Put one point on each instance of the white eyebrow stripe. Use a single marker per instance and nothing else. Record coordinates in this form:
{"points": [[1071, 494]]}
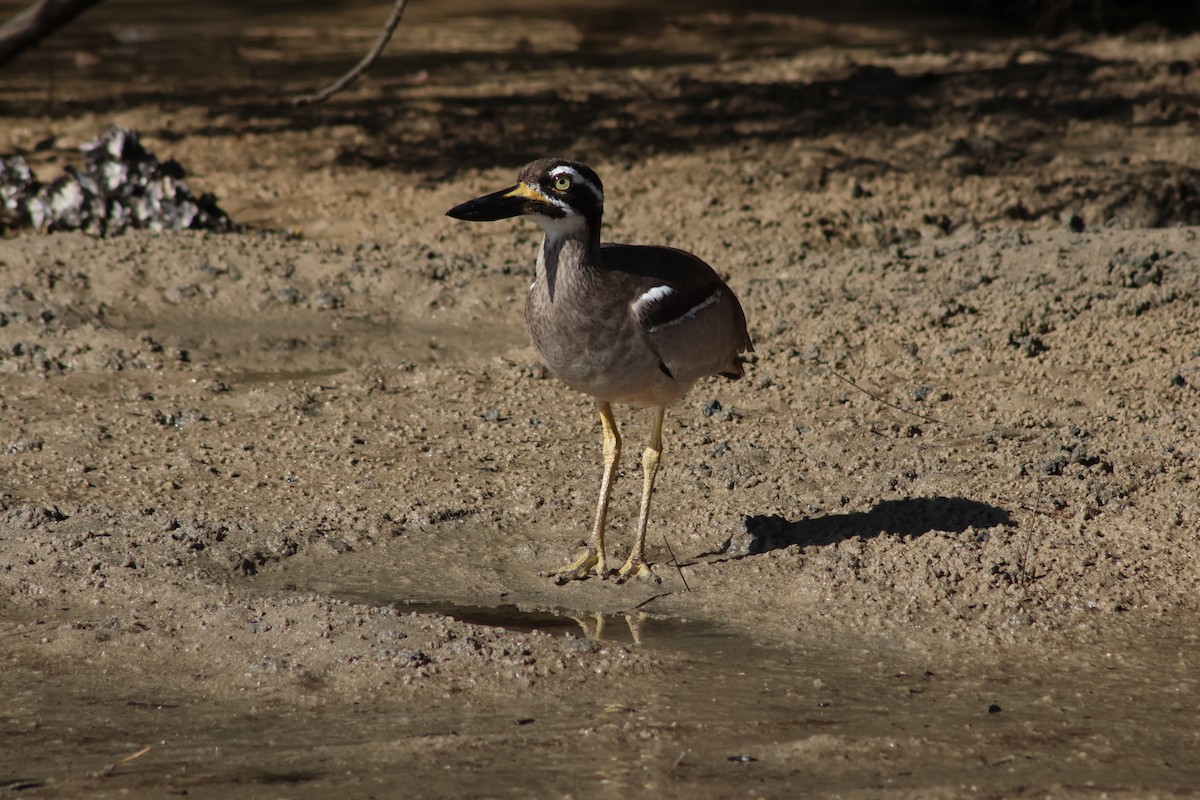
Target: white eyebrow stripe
{"points": [[563, 169], [691, 312]]}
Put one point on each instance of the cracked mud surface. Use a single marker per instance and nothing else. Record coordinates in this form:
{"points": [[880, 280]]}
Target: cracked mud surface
{"points": [[277, 504]]}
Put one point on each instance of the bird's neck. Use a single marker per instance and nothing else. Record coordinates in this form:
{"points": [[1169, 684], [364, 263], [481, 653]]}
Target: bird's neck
{"points": [[568, 253]]}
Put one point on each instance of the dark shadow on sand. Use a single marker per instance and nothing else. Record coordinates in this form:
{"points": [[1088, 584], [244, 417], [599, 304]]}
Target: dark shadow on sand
{"points": [[435, 129], [446, 128], [914, 516]]}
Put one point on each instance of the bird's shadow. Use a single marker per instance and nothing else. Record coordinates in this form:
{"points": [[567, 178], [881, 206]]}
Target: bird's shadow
{"points": [[914, 516]]}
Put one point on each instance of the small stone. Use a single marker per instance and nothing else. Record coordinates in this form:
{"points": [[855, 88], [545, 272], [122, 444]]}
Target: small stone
{"points": [[1054, 466], [289, 294], [181, 293], [326, 301], [338, 545]]}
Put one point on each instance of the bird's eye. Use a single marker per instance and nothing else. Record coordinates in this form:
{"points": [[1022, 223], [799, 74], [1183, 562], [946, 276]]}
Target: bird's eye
{"points": [[562, 183]]}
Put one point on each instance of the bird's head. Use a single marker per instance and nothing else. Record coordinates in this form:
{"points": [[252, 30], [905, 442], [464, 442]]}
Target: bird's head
{"points": [[555, 192]]}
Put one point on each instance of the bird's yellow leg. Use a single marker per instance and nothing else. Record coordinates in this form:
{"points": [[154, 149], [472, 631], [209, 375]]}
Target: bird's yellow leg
{"points": [[593, 559], [635, 565]]}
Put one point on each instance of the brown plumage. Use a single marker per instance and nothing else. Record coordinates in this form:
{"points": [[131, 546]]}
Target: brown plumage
{"points": [[626, 324]]}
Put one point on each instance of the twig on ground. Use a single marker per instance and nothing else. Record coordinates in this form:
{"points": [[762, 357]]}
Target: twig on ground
{"points": [[879, 399], [675, 561], [111, 768], [650, 600]]}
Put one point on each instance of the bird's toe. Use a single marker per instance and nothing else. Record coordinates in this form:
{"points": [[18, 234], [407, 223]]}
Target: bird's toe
{"points": [[590, 563], [636, 569]]}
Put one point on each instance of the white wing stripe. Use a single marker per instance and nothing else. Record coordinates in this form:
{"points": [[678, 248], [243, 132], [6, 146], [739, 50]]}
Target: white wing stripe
{"points": [[692, 312], [649, 298]]}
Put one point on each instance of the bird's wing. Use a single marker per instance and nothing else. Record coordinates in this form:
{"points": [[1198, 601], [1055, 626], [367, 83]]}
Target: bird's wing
{"points": [[691, 319]]}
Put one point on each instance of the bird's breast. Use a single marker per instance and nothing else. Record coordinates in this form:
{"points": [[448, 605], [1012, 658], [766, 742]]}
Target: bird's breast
{"points": [[594, 345]]}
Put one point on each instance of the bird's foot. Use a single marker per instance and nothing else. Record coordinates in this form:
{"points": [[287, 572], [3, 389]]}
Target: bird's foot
{"points": [[636, 569], [590, 563]]}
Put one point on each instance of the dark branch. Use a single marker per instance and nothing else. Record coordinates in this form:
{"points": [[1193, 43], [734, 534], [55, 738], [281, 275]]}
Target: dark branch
{"points": [[36, 23], [350, 77]]}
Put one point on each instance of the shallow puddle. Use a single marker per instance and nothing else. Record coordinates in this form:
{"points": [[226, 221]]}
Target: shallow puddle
{"points": [[734, 718], [746, 715], [631, 628]]}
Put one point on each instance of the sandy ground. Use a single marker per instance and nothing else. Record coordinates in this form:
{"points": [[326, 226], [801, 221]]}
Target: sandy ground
{"points": [[277, 505]]}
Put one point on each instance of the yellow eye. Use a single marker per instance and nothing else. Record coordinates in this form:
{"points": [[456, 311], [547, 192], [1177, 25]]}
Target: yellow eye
{"points": [[562, 183]]}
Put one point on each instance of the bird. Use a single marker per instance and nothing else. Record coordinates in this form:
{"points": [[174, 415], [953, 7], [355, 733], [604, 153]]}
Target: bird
{"points": [[632, 325]]}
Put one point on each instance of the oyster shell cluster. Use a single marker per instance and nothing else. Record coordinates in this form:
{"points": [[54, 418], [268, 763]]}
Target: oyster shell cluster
{"points": [[121, 185]]}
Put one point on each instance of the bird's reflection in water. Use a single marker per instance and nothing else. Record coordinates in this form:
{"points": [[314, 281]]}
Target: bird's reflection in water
{"points": [[596, 627], [634, 627]]}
